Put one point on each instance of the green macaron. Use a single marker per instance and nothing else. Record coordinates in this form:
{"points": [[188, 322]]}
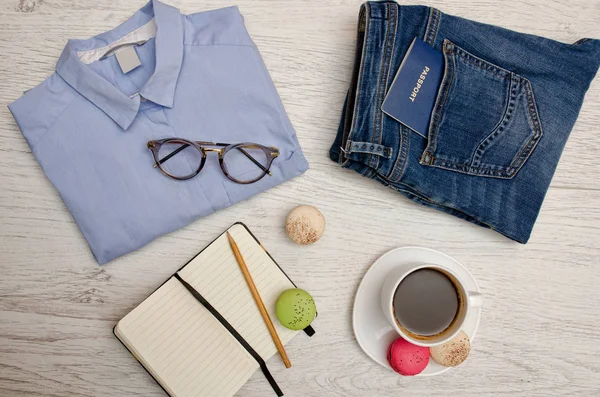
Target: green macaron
{"points": [[295, 309]]}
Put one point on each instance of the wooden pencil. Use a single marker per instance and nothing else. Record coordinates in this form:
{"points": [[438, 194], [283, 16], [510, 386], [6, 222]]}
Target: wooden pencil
{"points": [[259, 301]]}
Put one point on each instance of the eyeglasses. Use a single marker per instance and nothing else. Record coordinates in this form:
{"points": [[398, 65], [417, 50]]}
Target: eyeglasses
{"points": [[241, 162]]}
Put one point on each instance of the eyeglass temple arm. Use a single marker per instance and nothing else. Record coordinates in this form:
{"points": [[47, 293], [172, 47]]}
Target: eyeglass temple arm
{"points": [[173, 153], [179, 149], [254, 161]]}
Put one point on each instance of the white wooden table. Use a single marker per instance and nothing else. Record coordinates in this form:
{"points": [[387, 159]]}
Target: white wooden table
{"points": [[540, 330]]}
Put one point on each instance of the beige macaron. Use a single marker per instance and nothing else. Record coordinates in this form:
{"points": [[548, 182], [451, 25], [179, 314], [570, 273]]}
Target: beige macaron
{"points": [[453, 352], [305, 224]]}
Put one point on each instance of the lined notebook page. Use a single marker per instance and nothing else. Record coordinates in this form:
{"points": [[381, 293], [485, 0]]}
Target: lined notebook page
{"points": [[216, 274], [183, 346]]}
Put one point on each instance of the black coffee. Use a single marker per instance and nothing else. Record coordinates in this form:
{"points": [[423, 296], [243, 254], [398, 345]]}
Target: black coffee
{"points": [[426, 302]]}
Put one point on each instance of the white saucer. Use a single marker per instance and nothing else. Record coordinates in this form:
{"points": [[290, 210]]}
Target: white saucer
{"points": [[372, 330]]}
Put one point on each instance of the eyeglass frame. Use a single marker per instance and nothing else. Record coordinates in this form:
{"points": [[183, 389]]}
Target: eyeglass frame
{"points": [[270, 151]]}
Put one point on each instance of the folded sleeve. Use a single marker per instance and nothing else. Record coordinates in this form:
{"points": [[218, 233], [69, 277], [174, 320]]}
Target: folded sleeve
{"points": [[38, 108]]}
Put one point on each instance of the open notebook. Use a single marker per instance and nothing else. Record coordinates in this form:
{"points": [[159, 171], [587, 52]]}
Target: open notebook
{"points": [[187, 348]]}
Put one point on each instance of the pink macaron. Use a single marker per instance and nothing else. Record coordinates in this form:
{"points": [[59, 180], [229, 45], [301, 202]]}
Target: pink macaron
{"points": [[407, 359]]}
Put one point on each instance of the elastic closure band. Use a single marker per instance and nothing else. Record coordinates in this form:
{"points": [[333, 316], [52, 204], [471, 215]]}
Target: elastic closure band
{"points": [[236, 335]]}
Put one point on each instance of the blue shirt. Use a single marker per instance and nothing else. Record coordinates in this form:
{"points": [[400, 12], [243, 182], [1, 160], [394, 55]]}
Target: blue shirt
{"points": [[201, 78]]}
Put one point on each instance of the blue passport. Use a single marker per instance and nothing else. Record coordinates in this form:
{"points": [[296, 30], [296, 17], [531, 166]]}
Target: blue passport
{"points": [[412, 95]]}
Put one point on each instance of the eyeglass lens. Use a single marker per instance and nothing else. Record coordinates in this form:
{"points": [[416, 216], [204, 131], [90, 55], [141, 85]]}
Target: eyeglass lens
{"points": [[184, 163], [240, 166]]}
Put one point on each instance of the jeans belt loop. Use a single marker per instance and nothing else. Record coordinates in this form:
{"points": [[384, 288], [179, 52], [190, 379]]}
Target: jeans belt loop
{"points": [[368, 148]]}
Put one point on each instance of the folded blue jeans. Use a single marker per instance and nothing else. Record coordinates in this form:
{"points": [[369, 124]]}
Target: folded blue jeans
{"points": [[504, 110]]}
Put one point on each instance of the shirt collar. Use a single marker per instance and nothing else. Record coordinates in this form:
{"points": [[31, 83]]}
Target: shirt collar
{"points": [[160, 88]]}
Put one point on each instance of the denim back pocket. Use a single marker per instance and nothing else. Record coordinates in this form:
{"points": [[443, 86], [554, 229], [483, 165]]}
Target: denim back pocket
{"points": [[485, 121]]}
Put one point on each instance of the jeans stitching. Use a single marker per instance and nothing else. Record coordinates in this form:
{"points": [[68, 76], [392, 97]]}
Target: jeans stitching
{"points": [[397, 171], [405, 148], [391, 53], [475, 171], [438, 17], [360, 74], [371, 160], [428, 27], [372, 138], [535, 138], [478, 62], [432, 33], [510, 106], [385, 71], [439, 108]]}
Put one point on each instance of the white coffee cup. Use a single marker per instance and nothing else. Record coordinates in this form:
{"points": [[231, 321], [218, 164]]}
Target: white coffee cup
{"points": [[467, 301]]}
